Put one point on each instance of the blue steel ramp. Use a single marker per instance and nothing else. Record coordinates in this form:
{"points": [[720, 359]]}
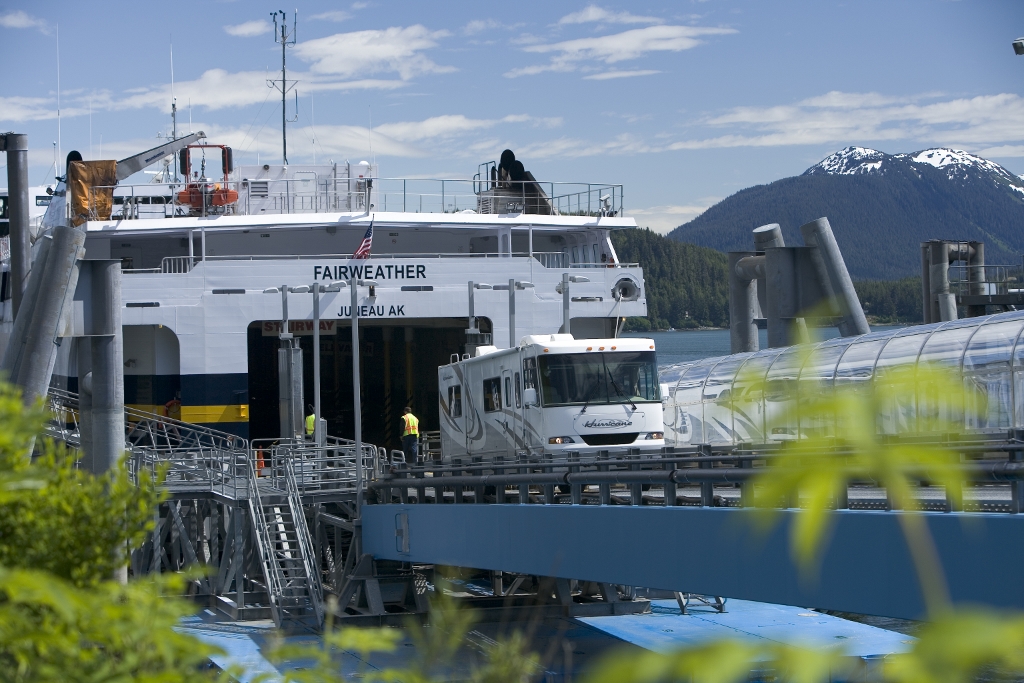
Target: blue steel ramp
{"points": [[865, 568], [666, 628]]}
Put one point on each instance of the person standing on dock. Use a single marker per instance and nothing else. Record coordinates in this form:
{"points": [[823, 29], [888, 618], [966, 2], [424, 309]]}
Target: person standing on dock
{"points": [[410, 434], [310, 422]]}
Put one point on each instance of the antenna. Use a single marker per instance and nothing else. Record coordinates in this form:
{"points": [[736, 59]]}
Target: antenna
{"points": [[174, 111], [286, 39], [369, 131], [56, 162]]}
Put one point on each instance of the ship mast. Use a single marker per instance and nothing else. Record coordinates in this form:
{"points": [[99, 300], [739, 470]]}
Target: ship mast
{"points": [[286, 39]]}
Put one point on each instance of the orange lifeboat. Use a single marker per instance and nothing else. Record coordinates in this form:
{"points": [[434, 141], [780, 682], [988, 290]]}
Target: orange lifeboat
{"points": [[201, 194], [223, 196]]}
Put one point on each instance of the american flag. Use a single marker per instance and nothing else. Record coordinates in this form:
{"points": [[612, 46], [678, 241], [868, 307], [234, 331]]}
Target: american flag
{"points": [[364, 248]]}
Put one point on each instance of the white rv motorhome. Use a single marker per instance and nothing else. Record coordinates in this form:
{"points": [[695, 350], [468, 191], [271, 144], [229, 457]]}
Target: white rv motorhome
{"points": [[551, 395]]}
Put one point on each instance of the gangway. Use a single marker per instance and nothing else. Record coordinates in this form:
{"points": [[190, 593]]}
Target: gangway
{"points": [[581, 530], [684, 521]]}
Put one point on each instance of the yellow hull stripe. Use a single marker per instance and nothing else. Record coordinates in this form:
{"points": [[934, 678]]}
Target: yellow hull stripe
{"points": [[193, 414], [207, 414]]}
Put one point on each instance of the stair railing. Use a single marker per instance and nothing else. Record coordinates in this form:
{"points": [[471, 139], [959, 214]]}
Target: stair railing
{"points": [[265, 546], [309, 559]]}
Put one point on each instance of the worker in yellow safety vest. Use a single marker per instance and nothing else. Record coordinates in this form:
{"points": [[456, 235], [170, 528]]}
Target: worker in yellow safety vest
{"points": [[310, 423], [410, 434]]}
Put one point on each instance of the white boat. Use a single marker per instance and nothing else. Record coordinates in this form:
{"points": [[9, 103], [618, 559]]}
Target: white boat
{"points": [[198, 257]]}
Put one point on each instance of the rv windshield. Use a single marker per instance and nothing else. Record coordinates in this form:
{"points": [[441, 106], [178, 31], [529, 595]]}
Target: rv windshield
{"points": [[594, 378]]}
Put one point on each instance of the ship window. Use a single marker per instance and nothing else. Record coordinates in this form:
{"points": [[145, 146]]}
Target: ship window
{"points": [[508, 391], [575, 254], [492, 394], [519, 393], [596, 259], [455, 401]]}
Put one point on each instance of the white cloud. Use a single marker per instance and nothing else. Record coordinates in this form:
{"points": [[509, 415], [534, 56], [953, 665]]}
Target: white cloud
{"points": [[479, 25], [27, 108], [665, 219], [451, 125], [593, 13], [846, 118], [341, 62], [20, 19], [249, 29], [617, 47], [361, 53], [334, 15], [606, 75], [1002, 151], [565, 148]]}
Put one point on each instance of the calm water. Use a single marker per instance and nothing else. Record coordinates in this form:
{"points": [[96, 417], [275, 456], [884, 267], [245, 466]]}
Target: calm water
{"points": [[682, 346]]}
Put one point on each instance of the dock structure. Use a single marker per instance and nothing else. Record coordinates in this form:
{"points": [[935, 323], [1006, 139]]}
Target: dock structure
{"points": [[275, 524]]}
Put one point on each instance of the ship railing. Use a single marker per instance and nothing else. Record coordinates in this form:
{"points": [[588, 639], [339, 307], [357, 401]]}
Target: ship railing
{"points": [[549, 259], [209, 197]]}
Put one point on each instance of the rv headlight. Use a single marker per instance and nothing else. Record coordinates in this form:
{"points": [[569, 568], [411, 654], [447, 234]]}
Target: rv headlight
{"points": [[561, 439], [654, 436]]}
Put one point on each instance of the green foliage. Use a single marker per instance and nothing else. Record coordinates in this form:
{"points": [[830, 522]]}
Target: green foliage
{"points": [[879, 221], [70, 524], [51, 630], [60, 531], [891, 301], [686, 286], [436, 647], [724, 661], [73, 525]]}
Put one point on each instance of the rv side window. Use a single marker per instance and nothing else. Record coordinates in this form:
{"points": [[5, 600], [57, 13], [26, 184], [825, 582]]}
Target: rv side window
{"points": [[519, 393], [508, 391], [455, 401], [492, 394], [530, 373]]}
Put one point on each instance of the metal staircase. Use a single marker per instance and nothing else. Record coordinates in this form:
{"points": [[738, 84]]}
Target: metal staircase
{"points": [[286, 553], [211, 476]]}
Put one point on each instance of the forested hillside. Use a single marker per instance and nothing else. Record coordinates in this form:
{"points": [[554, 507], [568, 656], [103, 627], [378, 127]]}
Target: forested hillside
{"points": [[687, 285]]}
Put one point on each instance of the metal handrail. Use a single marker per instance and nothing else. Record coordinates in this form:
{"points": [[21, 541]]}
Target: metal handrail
{"points": [[264, 545], [547, 259], [254, 196], [315, 585]]}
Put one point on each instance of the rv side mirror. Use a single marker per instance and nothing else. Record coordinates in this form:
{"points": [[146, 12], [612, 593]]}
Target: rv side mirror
{"points": [[530, 397], [664, 393]]}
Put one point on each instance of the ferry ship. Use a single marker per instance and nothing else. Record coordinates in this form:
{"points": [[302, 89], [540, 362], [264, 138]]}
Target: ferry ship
{"points": [[198, 257]]}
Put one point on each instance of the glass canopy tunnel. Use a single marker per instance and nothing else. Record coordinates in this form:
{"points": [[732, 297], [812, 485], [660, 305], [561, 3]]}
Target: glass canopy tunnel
{"points": [[758, 397]]}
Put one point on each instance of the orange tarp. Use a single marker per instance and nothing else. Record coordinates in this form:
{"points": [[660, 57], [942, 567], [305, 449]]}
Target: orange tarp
{"points": [[90, 187]]}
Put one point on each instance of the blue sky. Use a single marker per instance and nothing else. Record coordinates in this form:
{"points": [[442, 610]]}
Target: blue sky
{"points": [[683, 102]]}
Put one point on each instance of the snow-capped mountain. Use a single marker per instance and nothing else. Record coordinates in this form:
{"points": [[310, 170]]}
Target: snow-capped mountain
{"points": [[957, 164], [850, 161], [881, 207]]}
